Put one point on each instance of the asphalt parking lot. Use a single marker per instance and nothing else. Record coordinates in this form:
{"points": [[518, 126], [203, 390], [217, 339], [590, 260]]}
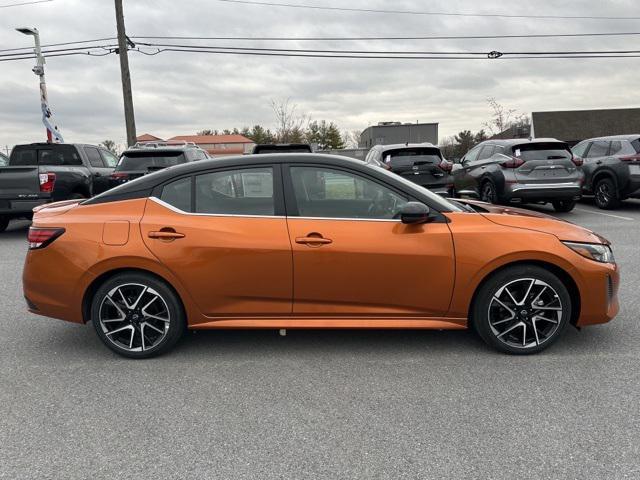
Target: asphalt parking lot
{"points": [[323, 404]]}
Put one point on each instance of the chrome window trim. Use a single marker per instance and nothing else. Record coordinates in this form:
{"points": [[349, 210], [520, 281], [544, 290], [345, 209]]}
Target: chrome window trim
{"points": [[177, 210], [535, 186]]}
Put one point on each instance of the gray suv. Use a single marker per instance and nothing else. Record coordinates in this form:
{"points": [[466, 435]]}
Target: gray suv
{"points": [[540, 170], [611, 167], [422, 163]]}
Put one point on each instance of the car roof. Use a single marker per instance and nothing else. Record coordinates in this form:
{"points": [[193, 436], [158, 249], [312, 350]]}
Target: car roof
{"points": [[629, 137]]}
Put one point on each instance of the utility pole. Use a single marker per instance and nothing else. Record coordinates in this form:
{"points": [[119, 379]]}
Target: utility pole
{"points": [[52, 130], [123, 47]]}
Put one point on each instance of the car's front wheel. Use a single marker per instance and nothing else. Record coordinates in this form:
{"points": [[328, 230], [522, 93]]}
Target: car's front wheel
{"points": [[137, 315], [606, 194], [521, 309], [488, 192]]}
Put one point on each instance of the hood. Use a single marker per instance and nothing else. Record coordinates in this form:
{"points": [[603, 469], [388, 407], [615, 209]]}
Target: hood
{"points": [[536, 221]]}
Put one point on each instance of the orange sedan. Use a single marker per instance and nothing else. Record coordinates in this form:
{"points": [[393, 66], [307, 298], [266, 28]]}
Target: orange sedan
{"points": [[309, 241]]}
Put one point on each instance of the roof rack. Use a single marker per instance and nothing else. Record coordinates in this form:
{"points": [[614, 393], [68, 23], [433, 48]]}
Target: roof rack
{"points": [[165, 144]]}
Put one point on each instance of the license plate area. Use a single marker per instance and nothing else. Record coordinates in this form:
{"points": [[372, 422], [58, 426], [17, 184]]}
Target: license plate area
{"points": [[634, 169]]}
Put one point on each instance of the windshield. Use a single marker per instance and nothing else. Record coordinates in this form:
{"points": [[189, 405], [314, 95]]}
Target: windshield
{"points": [[444, 205], [543, 151], [149, 160]]}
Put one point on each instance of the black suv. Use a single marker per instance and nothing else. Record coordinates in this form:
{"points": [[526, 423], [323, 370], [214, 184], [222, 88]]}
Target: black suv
{"points": [[80, 170], [612, 168], [282, 148], [540, 170], [144, 158], [422, 163]]}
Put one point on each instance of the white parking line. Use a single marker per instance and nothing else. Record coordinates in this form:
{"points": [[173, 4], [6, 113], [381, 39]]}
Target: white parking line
{"points": [[605, 214]]}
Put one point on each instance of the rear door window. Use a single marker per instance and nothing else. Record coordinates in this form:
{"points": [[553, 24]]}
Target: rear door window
{"points": [[472, 155], [178, 194], [598, 149], [579, 149], [247, 191], [94, 157]]}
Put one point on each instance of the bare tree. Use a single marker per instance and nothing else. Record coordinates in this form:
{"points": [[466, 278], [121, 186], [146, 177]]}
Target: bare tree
{"points": [[289, 122], [351, 138], [503, 118], [111, 146]]}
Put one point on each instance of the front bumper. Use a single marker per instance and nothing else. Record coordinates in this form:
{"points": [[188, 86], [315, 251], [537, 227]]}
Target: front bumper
{"points": [[535, 192], [599, 294]]}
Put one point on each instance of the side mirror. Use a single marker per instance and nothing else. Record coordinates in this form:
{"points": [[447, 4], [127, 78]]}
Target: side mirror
{"points": [[414, 213]]}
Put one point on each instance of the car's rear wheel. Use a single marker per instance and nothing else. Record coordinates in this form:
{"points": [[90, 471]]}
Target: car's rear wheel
{"points": [[606, 194], [137, 315], [488, 192], [563, 205], [521, 310]]}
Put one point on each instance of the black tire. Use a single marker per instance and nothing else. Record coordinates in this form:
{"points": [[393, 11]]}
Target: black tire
{"points": [[168, 317], [539, 331], [488, 192], [4, 223], [563, 206], [606, 194]]}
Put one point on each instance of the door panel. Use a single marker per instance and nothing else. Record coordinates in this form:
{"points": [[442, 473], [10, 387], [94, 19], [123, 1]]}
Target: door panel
{"points": [[231, 265], [371, 267]]}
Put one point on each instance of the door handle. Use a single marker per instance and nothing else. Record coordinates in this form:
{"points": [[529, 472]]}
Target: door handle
{"points": [[313, 240], [165, 234]]}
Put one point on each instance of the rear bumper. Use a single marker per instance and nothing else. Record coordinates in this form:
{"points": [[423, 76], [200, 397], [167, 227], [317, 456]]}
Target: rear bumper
{"points": [[542, 191], [16, 208], [441, 186]]}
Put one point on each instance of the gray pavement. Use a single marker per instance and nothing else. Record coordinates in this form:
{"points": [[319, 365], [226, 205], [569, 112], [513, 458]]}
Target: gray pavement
{"points": [[323, 404]]}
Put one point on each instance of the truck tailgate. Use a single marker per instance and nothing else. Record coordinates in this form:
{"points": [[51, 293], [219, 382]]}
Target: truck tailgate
{"points": [[18, 183]]}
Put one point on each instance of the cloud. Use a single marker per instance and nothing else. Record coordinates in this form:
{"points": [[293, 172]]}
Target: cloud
{"points": [[179, 93]]}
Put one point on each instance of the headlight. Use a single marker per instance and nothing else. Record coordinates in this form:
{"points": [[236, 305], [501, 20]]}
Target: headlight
{"points": [[594, 251]]}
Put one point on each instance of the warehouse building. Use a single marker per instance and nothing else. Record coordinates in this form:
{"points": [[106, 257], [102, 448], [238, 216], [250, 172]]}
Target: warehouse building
{"points": [[389, 133]]}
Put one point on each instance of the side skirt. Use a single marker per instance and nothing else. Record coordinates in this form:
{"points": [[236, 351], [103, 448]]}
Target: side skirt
{"points": [[334, 323]]}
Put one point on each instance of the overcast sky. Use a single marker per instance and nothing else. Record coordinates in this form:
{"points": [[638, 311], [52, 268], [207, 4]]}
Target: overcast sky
{"points": [[180, 93]]}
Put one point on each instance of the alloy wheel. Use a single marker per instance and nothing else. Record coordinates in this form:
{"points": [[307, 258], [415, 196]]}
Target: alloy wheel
{"points": [[603, 193], [489, 193], [134, 317], [525, 313]]}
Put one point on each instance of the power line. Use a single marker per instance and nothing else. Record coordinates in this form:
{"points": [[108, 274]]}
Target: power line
{"points": [[79, 42], [424, 37], [24, 3], [434, 13]]}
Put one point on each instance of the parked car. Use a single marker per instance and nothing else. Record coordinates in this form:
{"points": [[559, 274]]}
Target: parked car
{"points": [[308, 241], [282, 148], [422, 163], [611, 167], [21, 190], [80, 170], [144, 158], [4, 160], [521, 171]]}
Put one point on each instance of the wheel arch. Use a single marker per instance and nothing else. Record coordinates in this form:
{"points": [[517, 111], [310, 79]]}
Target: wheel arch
{"points": [[563, 275], [105, 276], [605, 173]]}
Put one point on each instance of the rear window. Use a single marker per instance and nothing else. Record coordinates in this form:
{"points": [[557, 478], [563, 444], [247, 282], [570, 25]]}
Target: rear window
{"points": [[282, 149], [636, 145], [542, 151], [149, 160], [414, 154]]}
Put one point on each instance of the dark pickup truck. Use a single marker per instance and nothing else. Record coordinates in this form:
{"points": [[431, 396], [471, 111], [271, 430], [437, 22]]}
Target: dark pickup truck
{"points": [[38, 173], [82, 171]]}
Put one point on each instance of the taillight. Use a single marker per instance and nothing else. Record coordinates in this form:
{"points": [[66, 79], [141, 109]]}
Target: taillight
{"points": [[577, 161], [119, 176], [41, 237], [630, 158], [47, 181], [513, 162], [445, 166]]}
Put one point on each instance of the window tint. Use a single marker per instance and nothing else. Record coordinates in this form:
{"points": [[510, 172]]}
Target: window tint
{"points": [[94, 157], [178, 194], [324, 192], [598, 149], [20, 157], [110, 160], [62, 155], [486, 152], [149, 161], [622, 147], [236, 192], [636, 145], [542, 151], [579, 149]]}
